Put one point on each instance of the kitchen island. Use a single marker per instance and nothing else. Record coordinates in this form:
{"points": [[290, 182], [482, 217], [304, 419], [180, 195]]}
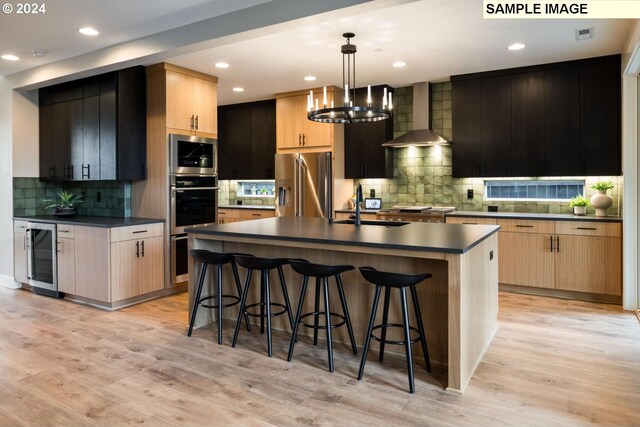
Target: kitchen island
{"points": [[459, 303]]}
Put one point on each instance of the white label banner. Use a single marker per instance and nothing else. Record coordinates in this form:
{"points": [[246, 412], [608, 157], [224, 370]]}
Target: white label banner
{"points": [[588, 9]]}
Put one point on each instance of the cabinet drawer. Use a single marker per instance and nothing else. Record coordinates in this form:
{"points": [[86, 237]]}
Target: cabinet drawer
{"points": [[256, 214], [228, 213], [119, 234], [589, 228], [20, 226], [66, 231], [472, 221], [526, 226]]}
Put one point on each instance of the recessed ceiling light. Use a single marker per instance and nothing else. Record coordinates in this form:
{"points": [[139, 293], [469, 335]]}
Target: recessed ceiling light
{"points": [[310, 78], [399, 64], [238, 89], [516, 46], [9, 57], [88, 31], [222, 65], [38, 53], [378, 49]]}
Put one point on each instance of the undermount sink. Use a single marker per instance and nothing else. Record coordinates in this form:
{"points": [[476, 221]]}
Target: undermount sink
{"points": [[373, 222]]}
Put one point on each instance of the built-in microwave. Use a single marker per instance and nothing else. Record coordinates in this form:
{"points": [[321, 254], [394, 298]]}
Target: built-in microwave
{"points": [[192, 155]]}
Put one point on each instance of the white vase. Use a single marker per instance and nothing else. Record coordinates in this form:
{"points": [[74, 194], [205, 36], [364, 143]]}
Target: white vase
{"points": [[601, 201], [579, 210]]}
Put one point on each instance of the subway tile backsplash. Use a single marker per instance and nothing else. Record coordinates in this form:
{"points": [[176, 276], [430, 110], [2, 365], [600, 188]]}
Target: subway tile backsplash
{"points": [[29, 195]]}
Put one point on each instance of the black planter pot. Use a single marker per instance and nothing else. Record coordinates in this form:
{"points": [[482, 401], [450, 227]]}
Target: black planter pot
{"points": [[65, 212]]}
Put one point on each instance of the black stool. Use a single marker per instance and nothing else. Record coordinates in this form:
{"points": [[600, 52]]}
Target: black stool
{"points": [[401, 281], [219, 259], [321, 273], [265, 265]]}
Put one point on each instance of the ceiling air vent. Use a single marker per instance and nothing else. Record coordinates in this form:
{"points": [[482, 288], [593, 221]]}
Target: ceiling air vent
{"points": [[584, 34]]}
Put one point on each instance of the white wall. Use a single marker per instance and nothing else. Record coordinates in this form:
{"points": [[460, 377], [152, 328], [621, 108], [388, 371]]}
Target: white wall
{"points": [[25, 134], [6, 186]]}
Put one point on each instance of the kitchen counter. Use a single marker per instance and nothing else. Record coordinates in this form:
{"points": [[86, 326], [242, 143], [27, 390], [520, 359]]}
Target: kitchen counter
{"points": [[265, 207], [538, 216], [90, 221], [459, 303], [352, 211]]}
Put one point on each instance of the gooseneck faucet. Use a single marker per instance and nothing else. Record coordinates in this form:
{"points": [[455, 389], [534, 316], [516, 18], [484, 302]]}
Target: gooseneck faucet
{"points": [[358, 201]]}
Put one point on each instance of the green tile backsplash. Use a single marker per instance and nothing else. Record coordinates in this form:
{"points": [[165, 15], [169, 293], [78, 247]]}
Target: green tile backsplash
{"points": [[422, 175], [29, 195]]}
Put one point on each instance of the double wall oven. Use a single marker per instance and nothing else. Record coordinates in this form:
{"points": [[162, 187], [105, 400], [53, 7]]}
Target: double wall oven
{"points": [[193, 194]]}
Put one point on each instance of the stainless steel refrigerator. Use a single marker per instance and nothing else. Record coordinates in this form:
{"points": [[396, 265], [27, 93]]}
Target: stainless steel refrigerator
{"points": [[304, 184]]}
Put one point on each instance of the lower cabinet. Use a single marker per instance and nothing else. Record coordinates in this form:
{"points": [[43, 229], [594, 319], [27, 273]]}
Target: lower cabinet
{"points": [[66, 247], [20, 251], [229, 215], [347, 215], [136, 267], [526, 259]]}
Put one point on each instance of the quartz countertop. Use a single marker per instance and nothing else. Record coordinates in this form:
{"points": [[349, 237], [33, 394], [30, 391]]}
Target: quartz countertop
{"points": [[90, 221], [265, 207], [537, 216], [433, 237]]}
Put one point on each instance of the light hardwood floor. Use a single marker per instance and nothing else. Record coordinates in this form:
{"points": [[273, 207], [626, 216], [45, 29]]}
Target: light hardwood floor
{"points": [[552, 363]]}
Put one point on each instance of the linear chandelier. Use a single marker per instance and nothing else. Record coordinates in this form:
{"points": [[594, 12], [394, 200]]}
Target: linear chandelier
{"points": [[348, 112]]}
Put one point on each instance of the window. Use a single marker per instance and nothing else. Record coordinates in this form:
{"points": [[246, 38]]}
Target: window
{"points": [[533, 190], [255, 189]]}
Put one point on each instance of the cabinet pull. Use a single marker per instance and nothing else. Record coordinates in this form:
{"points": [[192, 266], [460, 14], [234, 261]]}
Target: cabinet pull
{"points": [[470, 223], [551, 241], [304, 139], [58, 246], [137, 249], [558, 244], [88, 168], [256, 214], [587, 228], [24, 242], [63, 231], [71, 172], [196, 122], [142, 247], [139, 231], [524, 226], [299, 139], [192, 121]]}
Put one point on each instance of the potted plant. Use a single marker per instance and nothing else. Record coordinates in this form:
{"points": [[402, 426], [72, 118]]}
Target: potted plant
{"points": [[579, 204], [64, 205], [601, 200]]}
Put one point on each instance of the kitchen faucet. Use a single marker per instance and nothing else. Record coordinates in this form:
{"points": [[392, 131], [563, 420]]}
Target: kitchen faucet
{"points": [[358, 201]]}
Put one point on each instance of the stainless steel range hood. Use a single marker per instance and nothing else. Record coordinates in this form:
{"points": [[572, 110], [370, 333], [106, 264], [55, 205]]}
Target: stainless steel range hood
{"points": [[421, 135]]}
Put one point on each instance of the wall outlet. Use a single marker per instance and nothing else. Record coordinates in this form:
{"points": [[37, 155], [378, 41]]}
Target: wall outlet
{"points": [[372, 193], [493, 209], [470, 193]]}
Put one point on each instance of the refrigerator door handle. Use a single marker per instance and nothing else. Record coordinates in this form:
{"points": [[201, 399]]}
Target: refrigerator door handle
{"points": [[301, 180], [296, 187]]}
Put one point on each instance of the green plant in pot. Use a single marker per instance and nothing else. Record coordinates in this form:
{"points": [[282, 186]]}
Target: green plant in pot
{"points": [[579, 204], [64, 205], [601, 200]]}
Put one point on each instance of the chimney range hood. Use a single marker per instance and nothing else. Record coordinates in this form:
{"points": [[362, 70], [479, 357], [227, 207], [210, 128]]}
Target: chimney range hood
{"points": [[421, 136]]}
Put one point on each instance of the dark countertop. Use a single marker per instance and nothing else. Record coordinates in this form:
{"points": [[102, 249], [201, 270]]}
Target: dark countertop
{"points": [[538, 216], [90, 221], [451, 238], [265, 207]]}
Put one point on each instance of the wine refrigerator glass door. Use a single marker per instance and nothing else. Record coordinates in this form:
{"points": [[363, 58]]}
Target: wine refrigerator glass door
{"points": [[42, 261]]}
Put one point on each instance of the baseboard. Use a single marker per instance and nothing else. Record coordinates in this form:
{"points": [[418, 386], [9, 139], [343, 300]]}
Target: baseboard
{"points": [[559, 293], [9, 282]]}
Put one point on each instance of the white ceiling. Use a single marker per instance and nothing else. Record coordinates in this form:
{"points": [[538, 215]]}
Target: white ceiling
{"points": [[436, 38]]}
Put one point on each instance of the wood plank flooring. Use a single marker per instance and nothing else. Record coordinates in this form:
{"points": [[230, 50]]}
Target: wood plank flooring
{"points": [[553, 363]]}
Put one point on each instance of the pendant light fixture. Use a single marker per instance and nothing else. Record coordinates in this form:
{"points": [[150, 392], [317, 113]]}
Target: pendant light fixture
{"points": [[348, 112]]}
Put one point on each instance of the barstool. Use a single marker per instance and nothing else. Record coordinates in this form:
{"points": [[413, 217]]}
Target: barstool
{"points": [[265, 265], [401, 281], [321, 273], [219, 259]]}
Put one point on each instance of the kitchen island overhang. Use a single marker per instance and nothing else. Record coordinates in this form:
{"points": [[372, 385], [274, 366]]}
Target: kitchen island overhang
{"points": [[460, 302]]}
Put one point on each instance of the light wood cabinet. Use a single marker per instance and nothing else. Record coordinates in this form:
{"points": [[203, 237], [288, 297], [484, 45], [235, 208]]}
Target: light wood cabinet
{"points": [[470, 221], [230, 215], [20, 253], [526, 259], [92, 259], [191, 102], [66, 248], [347, 215], [294, 131], [136, 267]]}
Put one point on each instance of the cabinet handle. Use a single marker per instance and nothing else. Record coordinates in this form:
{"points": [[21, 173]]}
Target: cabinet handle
{"points": [[469, 223], [137, 249], [142, 246], [58, 246], [88, 168], [299, 139], [196, 122], [24, 242], [587, 228], [192, 121], [558, 244], [304, 139], [551, 241], [71, 172], [63, 231], [139, 231], [524, 226], [256, 214]]}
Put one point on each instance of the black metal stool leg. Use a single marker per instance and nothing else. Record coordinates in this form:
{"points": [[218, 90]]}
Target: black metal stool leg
{"points": [[236, 276], [407, 339], [345, 311], [317, 312], [243, 302], [196, 299], [296, 323], [267, 293], [285, 294], [219, 300], [327, 312], [423, 336], [385, 319], [262, 306], [367, 340]]}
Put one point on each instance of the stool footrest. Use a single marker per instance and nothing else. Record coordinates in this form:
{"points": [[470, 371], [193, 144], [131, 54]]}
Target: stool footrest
{"points": [[235, 300], [260, 304], [395, 342], [321, 315]]}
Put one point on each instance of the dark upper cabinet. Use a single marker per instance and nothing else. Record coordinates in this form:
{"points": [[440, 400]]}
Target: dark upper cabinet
{"points": [[95, 128], [364, 155], [547, 120], [247, 140]]}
